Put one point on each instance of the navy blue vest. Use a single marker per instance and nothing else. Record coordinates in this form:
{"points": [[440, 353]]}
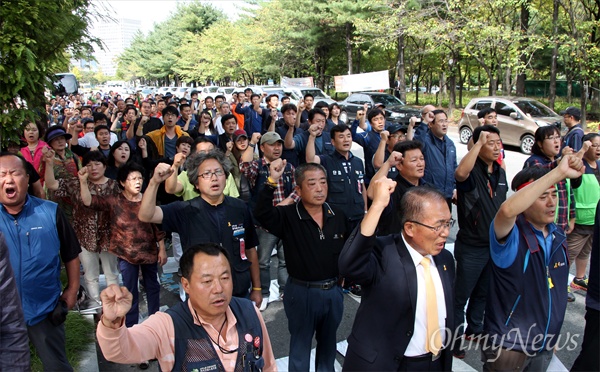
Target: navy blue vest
{"points": [[343, 187], [527, 302], [193, 346]]}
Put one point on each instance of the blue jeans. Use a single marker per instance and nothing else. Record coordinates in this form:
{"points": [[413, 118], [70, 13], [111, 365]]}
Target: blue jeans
{"points": [[266, 242], [130, 273], [311, 310]]}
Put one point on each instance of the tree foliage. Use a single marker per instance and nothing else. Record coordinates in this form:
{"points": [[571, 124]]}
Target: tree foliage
{"points": [[37, 39]]}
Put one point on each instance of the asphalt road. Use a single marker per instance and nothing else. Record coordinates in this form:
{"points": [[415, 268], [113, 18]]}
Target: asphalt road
{"points": [[275, 319]]}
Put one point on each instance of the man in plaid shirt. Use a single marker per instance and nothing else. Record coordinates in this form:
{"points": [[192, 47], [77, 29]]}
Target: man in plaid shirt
{"points": [[257, 174]]}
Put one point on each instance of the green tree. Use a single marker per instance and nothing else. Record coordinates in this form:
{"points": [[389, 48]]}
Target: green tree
{"points": [[32, 49]]}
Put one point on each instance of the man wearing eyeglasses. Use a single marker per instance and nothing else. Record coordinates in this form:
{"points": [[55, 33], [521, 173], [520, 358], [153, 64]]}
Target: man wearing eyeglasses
{"points": [[405, 318], [210, 217], [481, 188], [574, 136], [526, 303]]}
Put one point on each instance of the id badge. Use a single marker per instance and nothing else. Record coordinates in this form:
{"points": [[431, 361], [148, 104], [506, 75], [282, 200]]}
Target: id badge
{"points": [[243, 249]]}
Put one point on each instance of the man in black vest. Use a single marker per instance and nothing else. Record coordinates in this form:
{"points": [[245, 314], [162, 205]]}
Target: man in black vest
{"points": [[481, 188], [211, 331], [210, 217], [345, 173]]}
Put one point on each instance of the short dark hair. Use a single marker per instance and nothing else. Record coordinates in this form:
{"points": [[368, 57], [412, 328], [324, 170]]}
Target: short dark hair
{"points": [[412, 202], [435, 112], [287, 107], [322, 104], [340, 128], [540, 135], [184, 139], [404, 146], [169, 110], [484, 128], [254, 95], [228, 117], [374, 112], [98, 116], [194, 161], [129, 108], [183, 105], [38, 124], [93, 156], [315, 111], [221, 97], [307, 167], [526, 175], [99, 128], [186, 263], [270, 97], [248, 89], [590, 136], [208, 98], [308, 95], [126, 169], [201, 140], [485, 112]]}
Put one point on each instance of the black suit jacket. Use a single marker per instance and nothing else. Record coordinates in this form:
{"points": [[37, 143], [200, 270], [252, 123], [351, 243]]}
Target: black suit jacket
{"points": [[384, 322]]}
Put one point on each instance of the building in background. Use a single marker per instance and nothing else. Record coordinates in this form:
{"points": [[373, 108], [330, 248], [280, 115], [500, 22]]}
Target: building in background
{"points": [[117, 36]]}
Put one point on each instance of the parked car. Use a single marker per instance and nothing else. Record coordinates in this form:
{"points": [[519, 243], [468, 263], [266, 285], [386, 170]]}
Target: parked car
{"points": [[396, 111], [225, 91], [181, 92], [208, 91], [297, 93], [518, 119]]}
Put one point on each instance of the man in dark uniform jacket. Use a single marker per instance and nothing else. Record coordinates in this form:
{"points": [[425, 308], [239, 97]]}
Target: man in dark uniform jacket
{"points": [[405, 319]]}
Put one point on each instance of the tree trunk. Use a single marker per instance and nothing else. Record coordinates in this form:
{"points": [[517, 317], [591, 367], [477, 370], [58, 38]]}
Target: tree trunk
{"points": [[569, 89], [507, 85], [553, 65], [595, 104], [583, 102], [349, 46], [401, 68], [525, 43]]}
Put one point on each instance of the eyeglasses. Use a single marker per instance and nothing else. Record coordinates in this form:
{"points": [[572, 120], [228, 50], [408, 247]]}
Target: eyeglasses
{"points": [[437, 229], [553, 138], [208, 174]]}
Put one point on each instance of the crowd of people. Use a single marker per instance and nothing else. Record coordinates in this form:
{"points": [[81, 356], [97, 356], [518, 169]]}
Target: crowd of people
{"points": [[112, 182]]}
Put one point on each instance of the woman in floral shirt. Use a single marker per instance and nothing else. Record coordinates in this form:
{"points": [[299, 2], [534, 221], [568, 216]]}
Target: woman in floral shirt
{"points": [[138, 245]]}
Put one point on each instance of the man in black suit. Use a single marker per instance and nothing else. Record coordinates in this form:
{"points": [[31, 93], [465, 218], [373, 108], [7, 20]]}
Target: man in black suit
{"points": [[405, 319]]}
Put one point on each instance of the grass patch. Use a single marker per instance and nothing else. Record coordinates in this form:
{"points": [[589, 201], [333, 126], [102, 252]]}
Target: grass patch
{"points": [[79, 335]]}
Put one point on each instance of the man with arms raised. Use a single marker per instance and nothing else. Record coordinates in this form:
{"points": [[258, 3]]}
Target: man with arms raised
{"points": [[210, 331], [526, 301], [481, 186], [407, 282], [210, 217], [313, 234]]}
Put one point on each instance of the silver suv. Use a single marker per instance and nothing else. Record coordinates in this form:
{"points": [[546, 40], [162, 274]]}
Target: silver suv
{"points": [[518, 119]]}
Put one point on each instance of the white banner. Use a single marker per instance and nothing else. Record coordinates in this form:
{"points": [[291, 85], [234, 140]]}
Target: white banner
{"points": [[305, 82], [358, 82]]}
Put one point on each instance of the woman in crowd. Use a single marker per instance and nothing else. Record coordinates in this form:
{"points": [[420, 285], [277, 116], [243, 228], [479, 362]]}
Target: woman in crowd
{"points": [[240, 144], [66, 165], [120, 154], [334, 114], [138, 245], [33, 151], [546, 154]]}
